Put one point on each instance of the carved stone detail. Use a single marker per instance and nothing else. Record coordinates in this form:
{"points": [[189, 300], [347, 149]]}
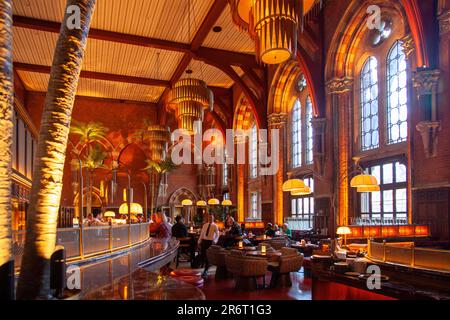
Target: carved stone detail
{"points": [[428, 130], [319, 127], [444, 23], [426, 81], [277, 120], [339, 85], [408, 45]]}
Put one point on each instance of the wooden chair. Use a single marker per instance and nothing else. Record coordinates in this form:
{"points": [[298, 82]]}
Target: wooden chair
{"points": [[185, 247]]}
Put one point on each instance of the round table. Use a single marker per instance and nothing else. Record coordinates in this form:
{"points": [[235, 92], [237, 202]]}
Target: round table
{"points": [[271, 256]]}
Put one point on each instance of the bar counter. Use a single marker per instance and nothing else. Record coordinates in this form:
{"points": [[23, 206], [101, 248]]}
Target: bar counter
{"points": [[404, 283], [135, 275]]}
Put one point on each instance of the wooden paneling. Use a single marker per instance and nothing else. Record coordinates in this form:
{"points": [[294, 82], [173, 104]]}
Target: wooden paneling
{"points": [[37, 47], [97, 88], [159, 19], [230, 38]]}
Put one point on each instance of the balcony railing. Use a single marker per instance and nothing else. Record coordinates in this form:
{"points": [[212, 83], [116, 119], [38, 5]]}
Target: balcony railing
{"points": [[94, 241], [406, 254]]}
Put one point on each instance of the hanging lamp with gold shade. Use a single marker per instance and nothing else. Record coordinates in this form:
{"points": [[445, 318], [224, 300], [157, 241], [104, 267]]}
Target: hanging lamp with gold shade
{"points": [[201, 203], [157, 137], [293, 185], [273, 24], [189, 99], [364, 181]]}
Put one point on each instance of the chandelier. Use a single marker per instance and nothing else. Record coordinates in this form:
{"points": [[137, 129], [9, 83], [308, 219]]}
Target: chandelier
{"points": [[190, 97], [273, 24], [158, 138]]}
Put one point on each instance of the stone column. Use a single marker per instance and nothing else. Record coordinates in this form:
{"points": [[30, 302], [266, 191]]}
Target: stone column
{"points": [[280, 199], [340, 91], [240, 180], [426, 83]]}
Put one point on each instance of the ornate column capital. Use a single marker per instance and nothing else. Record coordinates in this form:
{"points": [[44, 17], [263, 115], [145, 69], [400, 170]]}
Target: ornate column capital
{"points": [[444, 22], [408, 45], [277, 120], [426, 81], [339, 85]]}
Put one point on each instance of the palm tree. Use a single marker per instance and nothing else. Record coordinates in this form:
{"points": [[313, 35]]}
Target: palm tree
{"points": [[6, 128], [34, 281], [156, 171], [89, 133], [92, 161]]}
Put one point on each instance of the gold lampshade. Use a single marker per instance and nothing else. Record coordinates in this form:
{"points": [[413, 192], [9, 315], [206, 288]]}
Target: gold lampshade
{"points": [[157, 137], [273, 24], [213, 202], [135, 208], [201, 203], [364, 181], [293, 185], [227, 203], [186, 203], [368, 189], [343, 231], [276, 24], [110, 214], [302, 192], [189, 98]]}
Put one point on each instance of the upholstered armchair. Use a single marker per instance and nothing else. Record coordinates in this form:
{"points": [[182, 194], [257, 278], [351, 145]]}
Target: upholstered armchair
{"points": [[289, 261], [216, 257], [246, 270]]}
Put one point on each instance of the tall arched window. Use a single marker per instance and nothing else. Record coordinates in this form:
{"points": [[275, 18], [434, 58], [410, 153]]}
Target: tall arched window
{"points": [[254, 152], [309, 131], [297, 134], [397, 95], [370, 136]]}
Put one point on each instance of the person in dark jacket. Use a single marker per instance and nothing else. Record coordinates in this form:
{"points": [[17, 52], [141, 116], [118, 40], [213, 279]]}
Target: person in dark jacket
{"points": [[179, 229]]}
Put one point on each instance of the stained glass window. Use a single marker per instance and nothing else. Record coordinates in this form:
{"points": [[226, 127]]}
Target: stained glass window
{"points": [[370, 138], [397, 95]]}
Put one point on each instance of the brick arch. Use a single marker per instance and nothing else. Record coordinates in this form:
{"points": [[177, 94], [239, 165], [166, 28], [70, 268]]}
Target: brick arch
{"points": [[282, 94], [183, 192], [244, 116], [352, 28]]}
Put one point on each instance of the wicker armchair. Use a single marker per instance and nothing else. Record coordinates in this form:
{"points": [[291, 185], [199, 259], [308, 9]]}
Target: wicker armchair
{"points": [[216, 257], [246, 271], [290, 261], [277, 244]]}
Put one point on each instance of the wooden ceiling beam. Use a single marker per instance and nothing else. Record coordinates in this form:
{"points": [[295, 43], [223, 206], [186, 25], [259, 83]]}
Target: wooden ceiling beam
{"points": [[234, 58], [96, 75], [111, 77]]}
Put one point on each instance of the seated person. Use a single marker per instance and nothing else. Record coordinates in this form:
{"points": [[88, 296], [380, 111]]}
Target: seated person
{"points": [[97, 219], [164, 229], [179, 229], [270, 232], [286, 231], [233, 230]]}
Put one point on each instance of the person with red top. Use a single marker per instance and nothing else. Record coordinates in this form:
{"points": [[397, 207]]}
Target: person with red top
{"points": [[164, 229]]}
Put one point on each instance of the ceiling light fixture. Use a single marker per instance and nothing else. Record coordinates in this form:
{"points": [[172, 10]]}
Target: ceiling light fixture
{"points": [[273, 24]]}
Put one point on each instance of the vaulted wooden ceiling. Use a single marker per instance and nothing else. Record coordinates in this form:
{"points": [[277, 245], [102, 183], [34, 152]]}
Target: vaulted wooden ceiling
{"points": [[126, 39]]}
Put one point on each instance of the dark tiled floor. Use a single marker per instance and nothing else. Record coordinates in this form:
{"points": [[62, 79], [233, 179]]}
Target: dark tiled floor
{"points": [[224, 289]]}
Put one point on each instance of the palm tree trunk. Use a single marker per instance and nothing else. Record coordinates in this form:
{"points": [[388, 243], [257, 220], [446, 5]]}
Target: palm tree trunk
{"points": [[34, 281], [6, 128]]}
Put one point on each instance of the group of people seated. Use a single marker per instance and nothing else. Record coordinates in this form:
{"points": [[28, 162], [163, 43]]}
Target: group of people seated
{"points": [[273, 230]]}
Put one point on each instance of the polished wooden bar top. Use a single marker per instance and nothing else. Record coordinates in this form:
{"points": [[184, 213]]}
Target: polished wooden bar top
{"points": [[145, 285]]}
